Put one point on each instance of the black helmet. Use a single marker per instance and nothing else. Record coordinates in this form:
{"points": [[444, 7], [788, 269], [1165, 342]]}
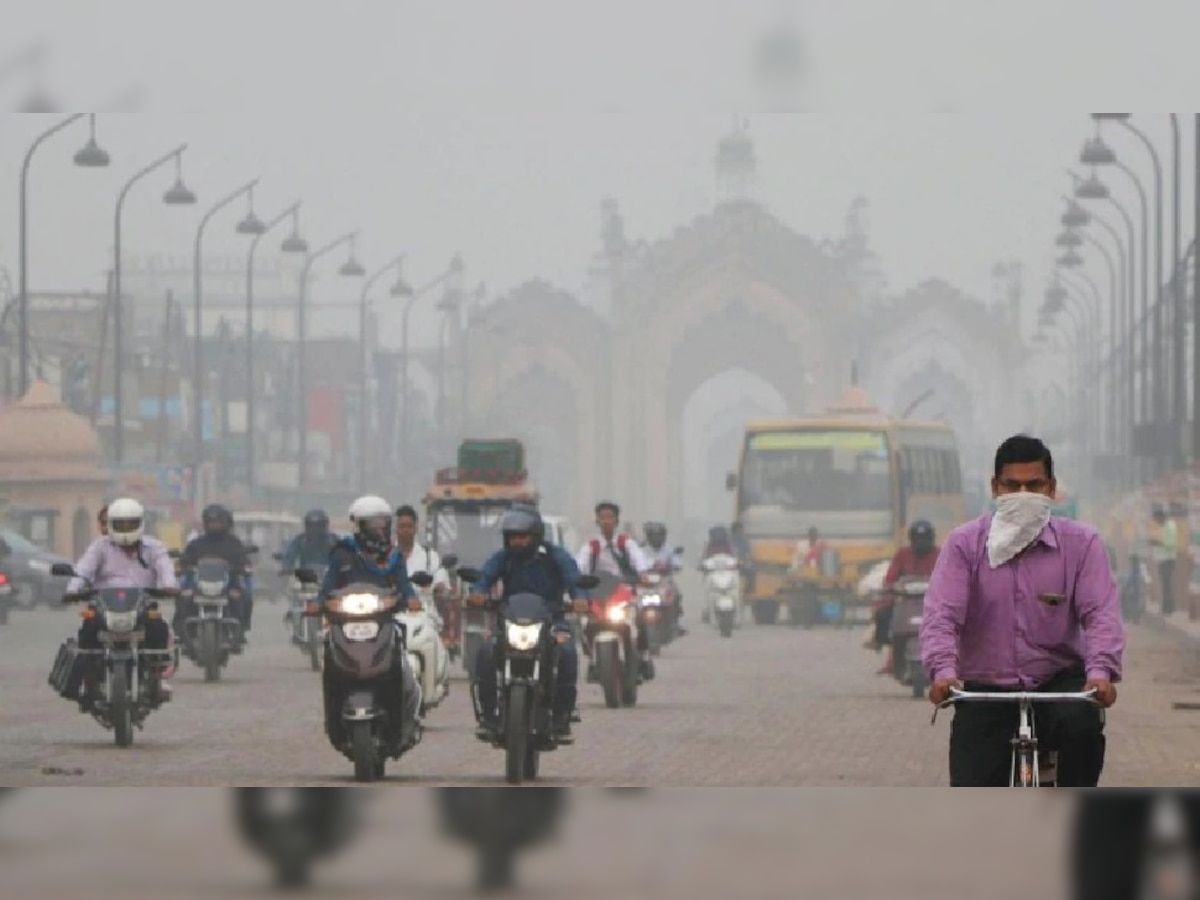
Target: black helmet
{"points": [[531, 510], [921, 531], [316, 518], [718, 534], [216, 519]]}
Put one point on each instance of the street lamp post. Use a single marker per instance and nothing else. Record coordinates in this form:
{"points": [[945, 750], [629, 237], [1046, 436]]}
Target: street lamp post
{"points": [[452, 277], [177, 195], [293, 243], [351, 268], [251, 224], [91, 156], [400, 289]]}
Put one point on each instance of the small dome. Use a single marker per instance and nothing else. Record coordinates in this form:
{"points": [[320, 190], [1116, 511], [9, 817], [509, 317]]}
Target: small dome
{"points": [[855, 400], [40, 438]]}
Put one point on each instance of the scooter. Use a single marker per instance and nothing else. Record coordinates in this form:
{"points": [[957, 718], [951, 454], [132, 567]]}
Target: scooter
{"points": [[723, 591], [907, 614], [426, 651]]}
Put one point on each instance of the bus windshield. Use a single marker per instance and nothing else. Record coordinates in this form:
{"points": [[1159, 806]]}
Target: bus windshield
{"points": [[470, 531], [834, 471]]}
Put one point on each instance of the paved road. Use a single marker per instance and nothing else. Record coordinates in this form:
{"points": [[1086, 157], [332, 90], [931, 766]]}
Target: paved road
{"points": [[769, 707]]}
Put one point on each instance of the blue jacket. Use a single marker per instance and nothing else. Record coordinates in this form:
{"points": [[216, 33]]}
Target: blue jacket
{"points": [[550, 573], [302, 552], [348, 566]]}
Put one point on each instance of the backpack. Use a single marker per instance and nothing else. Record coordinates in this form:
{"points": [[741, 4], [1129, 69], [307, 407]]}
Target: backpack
{"points": [[620, 553]]}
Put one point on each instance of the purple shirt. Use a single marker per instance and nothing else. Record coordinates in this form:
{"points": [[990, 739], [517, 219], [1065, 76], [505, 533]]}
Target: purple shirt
{"points": [[108, 566], [992, 625]]}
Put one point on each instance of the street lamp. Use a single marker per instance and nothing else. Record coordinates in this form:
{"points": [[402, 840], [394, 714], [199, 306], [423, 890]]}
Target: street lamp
{"points": [[91, 156], [453, 278], [246, 226], [293, 243], [178, 195], [1160, 370], [351, 268], [1068, 238], [399, 289]]}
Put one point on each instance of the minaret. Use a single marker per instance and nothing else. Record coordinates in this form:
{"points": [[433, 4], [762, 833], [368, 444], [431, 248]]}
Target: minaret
{"points": [[735, 164]]}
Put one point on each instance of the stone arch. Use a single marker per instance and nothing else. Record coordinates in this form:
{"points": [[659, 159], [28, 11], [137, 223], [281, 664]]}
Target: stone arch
{"points": [[761, 334], [540, 335], [538, 409]]}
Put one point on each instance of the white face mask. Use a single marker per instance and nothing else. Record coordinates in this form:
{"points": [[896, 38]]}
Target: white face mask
{"points": [[1019, 519]]}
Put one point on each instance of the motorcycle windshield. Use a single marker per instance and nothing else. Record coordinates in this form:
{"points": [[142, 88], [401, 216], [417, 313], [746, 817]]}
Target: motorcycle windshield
{"points": [[120, 599], [522, 608], [211, 570], [609, 585]]}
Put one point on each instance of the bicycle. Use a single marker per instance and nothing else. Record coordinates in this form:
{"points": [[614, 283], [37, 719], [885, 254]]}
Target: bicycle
{"points": [[1030, 767]]}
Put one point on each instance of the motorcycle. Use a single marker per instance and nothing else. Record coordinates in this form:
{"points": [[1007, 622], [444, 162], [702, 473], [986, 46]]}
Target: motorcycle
{"points": [[656, 603], [525, 680], [722, 591], [907, 613], [306, 632], [211, 635], [364, 645], [611, 631], [426, 652], [132, 673]]}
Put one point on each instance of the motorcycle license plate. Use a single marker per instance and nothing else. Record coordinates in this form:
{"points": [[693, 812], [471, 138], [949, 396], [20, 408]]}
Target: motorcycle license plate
{"points": [[725, 604], [360, 631]]}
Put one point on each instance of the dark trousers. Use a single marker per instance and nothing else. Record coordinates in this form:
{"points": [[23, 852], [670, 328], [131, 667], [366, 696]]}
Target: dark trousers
{"points": [[1108, 853], [565, 691], [980, 749], [1166, 578], [883, 626]]}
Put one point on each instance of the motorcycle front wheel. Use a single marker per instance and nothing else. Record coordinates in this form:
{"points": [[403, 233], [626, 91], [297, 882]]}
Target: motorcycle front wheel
{"points": [[119, 711], [521, 757], [367, 765]]}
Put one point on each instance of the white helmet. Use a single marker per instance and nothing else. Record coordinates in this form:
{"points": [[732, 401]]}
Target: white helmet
{"points": [[369, 507], [126, 521]]}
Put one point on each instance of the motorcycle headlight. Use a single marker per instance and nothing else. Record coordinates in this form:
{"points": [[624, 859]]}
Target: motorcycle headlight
{"points": [[616, 613], [120, 621], [522, 637], [357, 604], [723, 581], [212, 588]]}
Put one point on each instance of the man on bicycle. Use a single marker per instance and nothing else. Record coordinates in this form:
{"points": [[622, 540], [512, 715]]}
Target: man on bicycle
{"points": [[1022, 600]]}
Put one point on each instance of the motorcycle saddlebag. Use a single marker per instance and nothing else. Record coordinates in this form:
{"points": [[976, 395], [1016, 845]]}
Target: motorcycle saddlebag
{"points": [[67, 673]]}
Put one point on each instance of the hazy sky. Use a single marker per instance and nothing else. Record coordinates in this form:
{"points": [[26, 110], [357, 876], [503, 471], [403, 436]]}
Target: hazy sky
{"points": [[496, 129]]}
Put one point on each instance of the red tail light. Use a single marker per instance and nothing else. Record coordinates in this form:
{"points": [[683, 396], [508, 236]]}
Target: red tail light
{"points": [[3, 579]]}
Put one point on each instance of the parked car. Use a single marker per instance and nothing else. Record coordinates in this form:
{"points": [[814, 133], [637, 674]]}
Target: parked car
{"points": [[28, 566]]}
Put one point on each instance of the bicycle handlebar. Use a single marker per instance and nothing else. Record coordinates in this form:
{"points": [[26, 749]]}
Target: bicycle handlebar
{"points": [[957, 696]]}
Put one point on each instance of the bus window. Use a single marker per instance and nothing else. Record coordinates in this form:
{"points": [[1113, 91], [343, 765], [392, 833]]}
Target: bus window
{"points": [[952, 476]]}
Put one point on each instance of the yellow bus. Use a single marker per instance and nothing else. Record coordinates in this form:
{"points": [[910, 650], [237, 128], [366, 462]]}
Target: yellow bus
{"points": [[856, 475]]}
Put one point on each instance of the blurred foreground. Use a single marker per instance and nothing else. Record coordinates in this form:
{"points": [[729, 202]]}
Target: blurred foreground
{"points": [[157, 842]]}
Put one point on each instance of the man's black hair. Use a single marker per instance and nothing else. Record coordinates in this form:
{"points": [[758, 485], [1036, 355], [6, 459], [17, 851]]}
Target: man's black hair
{"points": [[1021, 448], [407, 511], [609, 505]]}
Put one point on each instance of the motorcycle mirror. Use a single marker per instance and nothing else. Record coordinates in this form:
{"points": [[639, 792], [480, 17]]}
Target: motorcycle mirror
{"points": [[449, 561], [306, 576], [62, 570], [587, 582], [466, 573], [421, 579]]}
